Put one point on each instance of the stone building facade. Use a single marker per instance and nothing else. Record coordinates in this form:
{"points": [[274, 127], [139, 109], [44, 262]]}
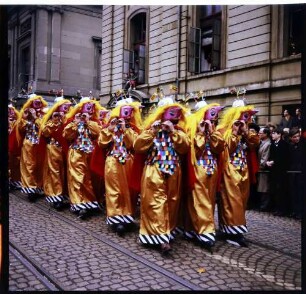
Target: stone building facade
{"points": [[53, 47], [207, 50]]}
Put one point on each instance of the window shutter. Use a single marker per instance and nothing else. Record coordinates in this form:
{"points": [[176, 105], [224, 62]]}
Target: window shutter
{"points": [[142, 63], [128, 61], [215, 63], [194, 50]]}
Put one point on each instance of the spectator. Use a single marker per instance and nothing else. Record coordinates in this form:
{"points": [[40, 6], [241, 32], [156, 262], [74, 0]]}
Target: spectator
{"points": [[297, 120], [296, 186], [271, 127], [286, 121], [278, 163], [263, 179]]}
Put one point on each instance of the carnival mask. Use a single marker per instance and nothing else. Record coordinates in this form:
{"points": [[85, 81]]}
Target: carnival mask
{"points": [[64, 107], [11, 113], [88, 108], [247, 115], [126, 111], [37, 104], [172, 113], [103, 114], [212, 113]]}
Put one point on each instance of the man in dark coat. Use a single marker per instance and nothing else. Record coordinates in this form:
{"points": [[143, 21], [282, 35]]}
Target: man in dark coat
{"points": [[278, 164]]}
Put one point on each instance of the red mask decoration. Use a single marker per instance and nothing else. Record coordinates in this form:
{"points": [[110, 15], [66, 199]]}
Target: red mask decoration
{"points": [[126, 111]]}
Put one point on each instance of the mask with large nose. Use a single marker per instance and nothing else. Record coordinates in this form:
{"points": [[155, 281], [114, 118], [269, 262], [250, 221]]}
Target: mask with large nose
{"points": [[247, 115], [88, 108], [173, 114], [64, 107], [212, 113], [126, 112]]}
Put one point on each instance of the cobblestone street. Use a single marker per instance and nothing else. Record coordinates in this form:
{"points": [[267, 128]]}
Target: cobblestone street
{"points": [[86, 255]]}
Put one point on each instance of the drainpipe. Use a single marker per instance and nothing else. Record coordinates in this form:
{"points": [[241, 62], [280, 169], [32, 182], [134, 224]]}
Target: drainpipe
{"points": [[112, 53], [186, 55], [178, 55], [270, 68]]}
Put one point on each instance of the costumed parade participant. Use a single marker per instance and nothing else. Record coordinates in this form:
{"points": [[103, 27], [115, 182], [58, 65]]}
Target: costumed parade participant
{"points": [[54, 170], [163, 140], [14, 149], [81, 129], [33, 149], [97, 162], [235, 178], [206, 144], [117, 142]]}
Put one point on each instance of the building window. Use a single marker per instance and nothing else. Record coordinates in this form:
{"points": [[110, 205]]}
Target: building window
{"points": [[134, 59], [24, 67], [97, 62], [205, 40], [293, 29]]}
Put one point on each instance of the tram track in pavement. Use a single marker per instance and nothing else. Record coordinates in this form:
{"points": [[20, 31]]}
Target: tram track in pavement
{"points": [[48, 280], [168, 274], [123, 250]]}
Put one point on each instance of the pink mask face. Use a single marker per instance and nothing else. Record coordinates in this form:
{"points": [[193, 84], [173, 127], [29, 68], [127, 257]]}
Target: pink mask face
{"points": [[172, 114], [64, 107], [212, 113], [247, 115], [37, 104], [103, 114], [11, 113], [88, 108], [126, 111]]}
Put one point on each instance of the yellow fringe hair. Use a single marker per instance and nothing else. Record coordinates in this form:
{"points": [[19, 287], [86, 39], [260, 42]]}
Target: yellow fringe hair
{"points": [[192, 126], [158, 113], [230, 115], [24, 107]]}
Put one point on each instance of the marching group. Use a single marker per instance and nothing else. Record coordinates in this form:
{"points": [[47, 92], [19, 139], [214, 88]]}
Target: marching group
{"points": [[173, 163]]}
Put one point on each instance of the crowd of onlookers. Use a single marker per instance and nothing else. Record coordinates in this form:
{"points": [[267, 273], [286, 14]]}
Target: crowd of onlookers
{"points": [[279, 186]]}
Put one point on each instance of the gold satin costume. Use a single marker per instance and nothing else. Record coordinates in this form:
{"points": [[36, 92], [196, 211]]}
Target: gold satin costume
{"points": [[31, 160], [235, 184], [14, 162], [201, 202], [160, 194], [119, 208], [54, 166], [79, 181]]}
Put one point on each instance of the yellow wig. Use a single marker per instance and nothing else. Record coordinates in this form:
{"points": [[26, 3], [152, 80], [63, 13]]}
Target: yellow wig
{"points": [[28, 104], [136, 120], [192, 125], [17, 113], [54, 108], [158, 114], [77, 109], [230, 115]]}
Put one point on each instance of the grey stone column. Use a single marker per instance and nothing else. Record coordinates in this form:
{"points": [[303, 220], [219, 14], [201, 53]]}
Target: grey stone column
{"points": [[42, 44], [55, 47]]}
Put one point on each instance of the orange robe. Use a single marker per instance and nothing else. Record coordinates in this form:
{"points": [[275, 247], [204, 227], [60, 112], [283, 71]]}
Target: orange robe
{"points": [[160, 191], [54, 166], [119, 207], [79, 180], [235, 183], [201, 202], [32, 157]]}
